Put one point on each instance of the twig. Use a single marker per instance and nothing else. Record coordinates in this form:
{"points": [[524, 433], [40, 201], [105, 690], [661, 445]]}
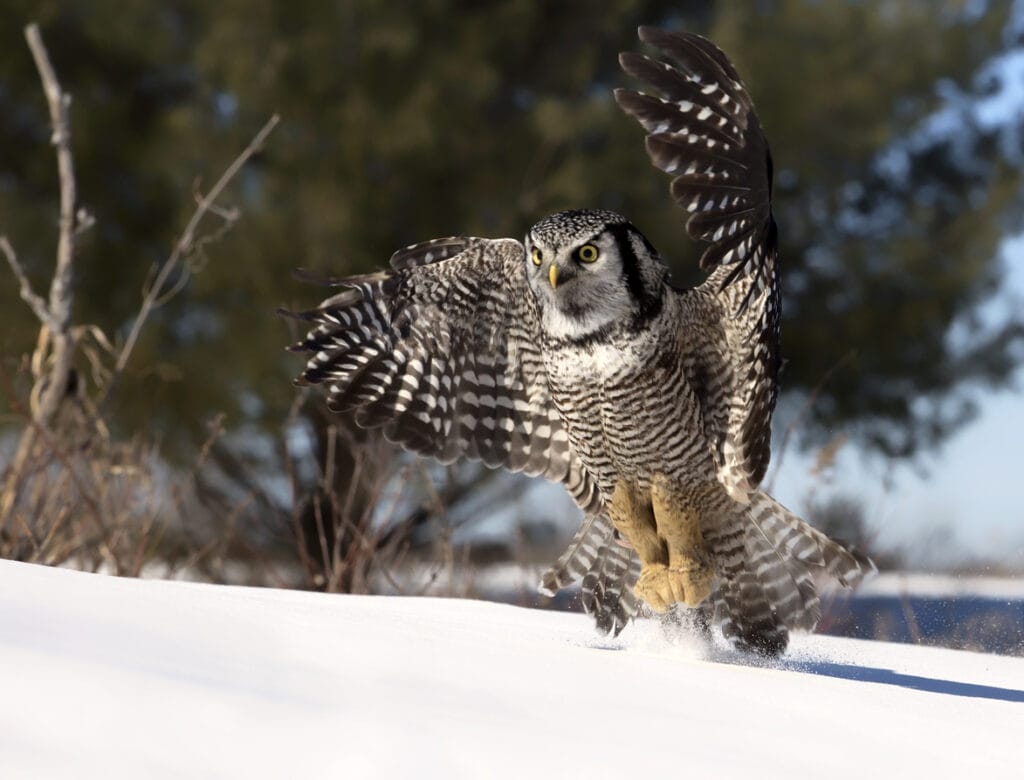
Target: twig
{"points": [[156, 292], [37, 304], [65, 460]]}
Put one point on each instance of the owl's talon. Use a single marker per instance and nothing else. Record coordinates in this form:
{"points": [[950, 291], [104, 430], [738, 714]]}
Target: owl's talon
{"points": [[692, 585], [653, 587], [661, 587]]}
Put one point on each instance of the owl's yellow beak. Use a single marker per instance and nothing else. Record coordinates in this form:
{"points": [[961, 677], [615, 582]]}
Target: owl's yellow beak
{"points": [[553, 276]]}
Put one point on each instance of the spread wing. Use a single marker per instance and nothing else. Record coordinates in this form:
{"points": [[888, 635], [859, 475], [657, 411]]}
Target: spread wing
{"points": [[441, 353], [704, 131]]}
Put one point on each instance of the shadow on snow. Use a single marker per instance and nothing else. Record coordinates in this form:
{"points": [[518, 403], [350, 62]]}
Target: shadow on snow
{"points": [[873, 674]]}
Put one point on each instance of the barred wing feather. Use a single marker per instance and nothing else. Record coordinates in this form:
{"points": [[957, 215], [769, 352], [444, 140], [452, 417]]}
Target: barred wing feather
{"points": [[607, 571], [442, 354]]}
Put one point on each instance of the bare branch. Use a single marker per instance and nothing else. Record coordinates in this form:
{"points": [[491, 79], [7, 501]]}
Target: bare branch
{"points": [[37, 304], [59, 307], [52, 387], [59, 103], [157, 292]]}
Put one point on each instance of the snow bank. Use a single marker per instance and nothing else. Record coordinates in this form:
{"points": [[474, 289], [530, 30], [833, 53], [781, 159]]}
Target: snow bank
{"points": [[942, 586], [104, 677]]}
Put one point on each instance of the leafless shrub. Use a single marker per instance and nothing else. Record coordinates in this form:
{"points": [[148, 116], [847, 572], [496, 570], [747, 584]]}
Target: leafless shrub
{"points": [[367, 517], [80, 497], [72, 493]]}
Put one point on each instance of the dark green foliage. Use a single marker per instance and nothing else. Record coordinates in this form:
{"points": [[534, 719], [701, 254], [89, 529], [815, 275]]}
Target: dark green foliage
{"points": [[407, 121]]}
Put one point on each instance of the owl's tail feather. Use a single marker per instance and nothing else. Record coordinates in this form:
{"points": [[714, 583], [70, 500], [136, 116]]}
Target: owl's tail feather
{"points": [[579, 557], [745, 594], [607, 590], [607, 569], [789, 534], [768, 566]]}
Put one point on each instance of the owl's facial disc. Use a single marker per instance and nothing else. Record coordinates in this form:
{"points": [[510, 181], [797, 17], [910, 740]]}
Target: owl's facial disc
{"points": [[590, 270], [578, 284]]}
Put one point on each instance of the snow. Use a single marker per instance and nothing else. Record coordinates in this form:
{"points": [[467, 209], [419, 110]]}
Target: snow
{"points": [[107, 677]]}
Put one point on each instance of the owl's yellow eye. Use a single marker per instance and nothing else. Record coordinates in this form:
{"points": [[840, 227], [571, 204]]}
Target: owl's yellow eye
{"points": [[587, 253], [535, 255]]}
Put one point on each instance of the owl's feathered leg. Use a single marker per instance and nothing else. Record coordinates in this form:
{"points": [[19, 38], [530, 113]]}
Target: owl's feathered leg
{"points": [[665, 531], [633, 516], [690, 573]]}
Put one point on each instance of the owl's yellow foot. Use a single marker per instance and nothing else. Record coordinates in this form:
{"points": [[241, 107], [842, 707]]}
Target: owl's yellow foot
{"points": [[661, 587], [664, 529], [690, 568], [633, 517]]}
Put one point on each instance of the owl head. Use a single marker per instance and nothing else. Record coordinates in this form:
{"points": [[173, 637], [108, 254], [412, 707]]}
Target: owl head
{"points": [[590, 270]]}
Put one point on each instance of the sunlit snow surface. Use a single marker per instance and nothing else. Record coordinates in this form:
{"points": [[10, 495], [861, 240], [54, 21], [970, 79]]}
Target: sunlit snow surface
{"points": [[105, 677]]}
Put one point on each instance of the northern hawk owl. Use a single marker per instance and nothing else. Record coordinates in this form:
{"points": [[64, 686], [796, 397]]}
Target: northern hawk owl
{"points": [[571, 356]]}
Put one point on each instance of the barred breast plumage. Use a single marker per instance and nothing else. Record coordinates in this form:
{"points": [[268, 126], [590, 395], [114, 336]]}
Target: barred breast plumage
{"points": [[628, 407]]}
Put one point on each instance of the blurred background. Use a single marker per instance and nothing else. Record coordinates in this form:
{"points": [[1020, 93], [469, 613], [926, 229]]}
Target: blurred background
{"points": [[178, 445]]}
